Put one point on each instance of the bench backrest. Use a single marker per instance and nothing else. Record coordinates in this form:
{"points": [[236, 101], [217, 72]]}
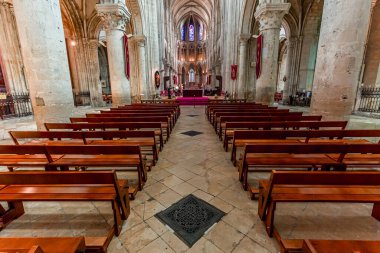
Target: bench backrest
{"points": [[22, 150], [82, 135], [255, 113], [298, 148], [287, 124], [124, 114], [351, 178], [94, 150], [67, 177], [119, 119], [268, 118], [102, 126], [306, 134]]}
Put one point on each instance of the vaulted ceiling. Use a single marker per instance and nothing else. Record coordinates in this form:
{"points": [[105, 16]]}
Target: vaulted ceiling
{"points": [[181, 9]]}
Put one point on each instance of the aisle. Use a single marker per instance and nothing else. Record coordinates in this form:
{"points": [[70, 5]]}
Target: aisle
{"points": [[195, 165]]}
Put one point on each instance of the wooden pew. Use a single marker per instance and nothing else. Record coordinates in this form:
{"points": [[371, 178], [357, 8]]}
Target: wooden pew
{"points": [[317, 186], [172, 112], [231, 127], [213, 109], [165, 124], [264, 156], [155, 126], [44, 245], [222, 122], [129, 115], [327, 246], [242, 138], [13, 157], [216, 114], [122, 157], [66, 186], [145, 139]]}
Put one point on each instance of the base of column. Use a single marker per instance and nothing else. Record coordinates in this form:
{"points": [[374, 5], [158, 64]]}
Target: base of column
{"points": [[52, 113]]}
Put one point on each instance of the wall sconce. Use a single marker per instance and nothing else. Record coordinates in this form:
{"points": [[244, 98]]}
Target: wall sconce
{"points": [[73, 43]]}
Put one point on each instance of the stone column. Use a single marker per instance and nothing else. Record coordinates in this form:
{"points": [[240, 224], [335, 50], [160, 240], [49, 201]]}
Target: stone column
{"points": [[95, 85], [342, 39], [270, 18], [242, 86], [43, 48], [145, 87], [10, 53], [291, 56], [114, 17]]}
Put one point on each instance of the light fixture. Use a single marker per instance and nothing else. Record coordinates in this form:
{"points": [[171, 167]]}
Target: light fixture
{"points": [[73, 43]]}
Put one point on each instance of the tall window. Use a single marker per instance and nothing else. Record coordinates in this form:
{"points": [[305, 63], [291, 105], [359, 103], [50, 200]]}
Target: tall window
{"points": [[191, 76], [183, 33], [200, 29], [191, 32]]}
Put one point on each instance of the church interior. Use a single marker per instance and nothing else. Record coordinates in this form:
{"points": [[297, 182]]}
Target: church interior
{"points": [[215, 126]]}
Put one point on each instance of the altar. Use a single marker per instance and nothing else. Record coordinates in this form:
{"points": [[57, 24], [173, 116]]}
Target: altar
{"points": [[192, 93]]}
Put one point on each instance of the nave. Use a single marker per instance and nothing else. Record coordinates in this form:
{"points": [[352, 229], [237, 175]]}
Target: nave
{"points": [[196, 165]]}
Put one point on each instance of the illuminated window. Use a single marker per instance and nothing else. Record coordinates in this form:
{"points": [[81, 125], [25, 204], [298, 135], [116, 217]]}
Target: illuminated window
{"points": [[191, 32], [183, 33], [200, 29]]}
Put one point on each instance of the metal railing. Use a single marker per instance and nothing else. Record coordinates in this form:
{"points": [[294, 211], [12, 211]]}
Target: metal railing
{"points": [[369, 100], [15, 105]]}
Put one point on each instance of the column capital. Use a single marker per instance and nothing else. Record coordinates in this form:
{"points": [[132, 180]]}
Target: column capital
{"points": [[244, 38], [270, 15], [140, 40], [93, 44], [114, 16]]}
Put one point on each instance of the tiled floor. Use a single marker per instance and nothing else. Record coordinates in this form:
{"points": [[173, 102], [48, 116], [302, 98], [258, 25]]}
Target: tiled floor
{"points": [[196, 165]]}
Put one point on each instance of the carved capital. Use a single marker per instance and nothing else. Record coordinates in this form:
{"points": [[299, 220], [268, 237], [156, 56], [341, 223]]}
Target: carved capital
{"points": [[140, 40], [244, 39], [93, 44], [114, 16], [270, 15]]}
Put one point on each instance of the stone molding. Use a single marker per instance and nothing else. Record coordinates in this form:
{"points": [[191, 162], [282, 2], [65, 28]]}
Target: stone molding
{"points": [[244, 38], [114, 16], [270, 15], [140, 40], [93, 44]]}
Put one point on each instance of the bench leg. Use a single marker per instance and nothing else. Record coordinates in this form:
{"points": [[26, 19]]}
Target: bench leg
{"points": [[16, 209], [117, 218], [376, 211], [269, 221]]}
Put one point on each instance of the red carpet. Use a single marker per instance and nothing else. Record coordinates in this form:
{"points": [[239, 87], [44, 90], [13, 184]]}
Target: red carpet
{"points": [[193, 101]]}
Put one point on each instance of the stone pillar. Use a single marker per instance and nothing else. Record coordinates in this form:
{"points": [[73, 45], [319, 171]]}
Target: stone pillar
{"points": [[10, 53], [95, 86], [289, 65], [342, 40], [242, 86], [270, 18], [43, 49], [114, 17], [145, 87]]}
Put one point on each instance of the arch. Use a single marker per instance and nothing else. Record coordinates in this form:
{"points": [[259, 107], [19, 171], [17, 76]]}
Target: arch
{"points": [[248, 18]]}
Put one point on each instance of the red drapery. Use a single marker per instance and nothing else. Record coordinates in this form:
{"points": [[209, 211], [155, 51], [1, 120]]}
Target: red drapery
{"points": [[126, 57], [234, 69], [258, 55]]}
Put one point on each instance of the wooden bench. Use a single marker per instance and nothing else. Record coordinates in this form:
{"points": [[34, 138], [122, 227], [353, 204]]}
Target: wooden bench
{"points": [[265, 156], [327, 246], [64, 186], [242, 138], [165, 124], [231, 127], [223, 120], [172, 112], [155, 126], [317, 186], [171, 120], [214, 110], [43, 245], [25, 156], [119, 157], [145, 139], [216, 114], [209, 109]]}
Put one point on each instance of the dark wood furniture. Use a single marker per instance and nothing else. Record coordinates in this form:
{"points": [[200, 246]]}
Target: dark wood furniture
{"points": [[192, 93]]}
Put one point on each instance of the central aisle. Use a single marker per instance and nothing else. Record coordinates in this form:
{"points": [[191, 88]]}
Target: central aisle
{"points": [[195, 165]]}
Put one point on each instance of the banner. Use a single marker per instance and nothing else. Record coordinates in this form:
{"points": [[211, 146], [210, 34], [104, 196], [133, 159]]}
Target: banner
{"points": [[234, 69], [126, 57], [259, 50]]}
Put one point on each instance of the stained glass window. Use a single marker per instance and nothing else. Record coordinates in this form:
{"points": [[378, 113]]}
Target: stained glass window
{"points": [[183, 33], [200, 35], [191, 32]]}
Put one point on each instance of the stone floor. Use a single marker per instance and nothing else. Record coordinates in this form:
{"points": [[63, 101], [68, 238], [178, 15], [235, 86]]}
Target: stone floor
{"points": [[196, 165]]}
